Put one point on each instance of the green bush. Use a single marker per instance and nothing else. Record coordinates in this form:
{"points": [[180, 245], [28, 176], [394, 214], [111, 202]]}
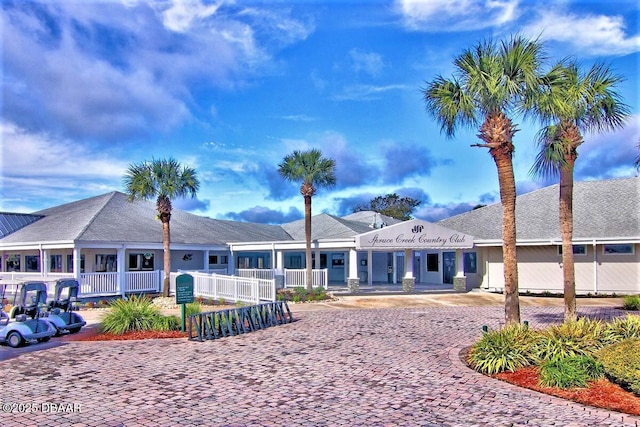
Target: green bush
{"points": [[621, 362], [193, 308], [631, 302], [136, 314], [569, 372], [622, 328], [582, 337], [506, 349]]}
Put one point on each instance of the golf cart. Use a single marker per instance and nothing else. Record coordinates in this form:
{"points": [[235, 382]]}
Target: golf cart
{"points": [[17, 328], [60, 309]]}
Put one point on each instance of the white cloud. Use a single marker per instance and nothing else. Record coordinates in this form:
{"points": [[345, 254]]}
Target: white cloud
{"points": [[367, 62], [589, 35], [180, 16], [366, 92], [457, 15]]}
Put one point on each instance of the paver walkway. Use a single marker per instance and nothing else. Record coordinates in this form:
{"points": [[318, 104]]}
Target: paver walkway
{"points": [[382, 367]]}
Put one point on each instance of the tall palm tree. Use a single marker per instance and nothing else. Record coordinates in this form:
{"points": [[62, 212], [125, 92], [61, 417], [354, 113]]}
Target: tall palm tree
{"points": [[490, 81], [637, 162], [313, 170], [572, 102], [165, 180]]}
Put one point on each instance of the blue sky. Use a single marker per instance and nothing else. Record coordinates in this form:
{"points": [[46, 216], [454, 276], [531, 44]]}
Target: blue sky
{"points": [[231, 88]]}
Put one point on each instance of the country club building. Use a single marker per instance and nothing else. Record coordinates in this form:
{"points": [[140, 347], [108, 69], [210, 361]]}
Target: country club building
{"points": [[114, 246]]}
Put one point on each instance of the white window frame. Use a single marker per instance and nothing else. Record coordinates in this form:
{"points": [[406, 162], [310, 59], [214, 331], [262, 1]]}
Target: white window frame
{"points": [[586, 250], [633, 251]]}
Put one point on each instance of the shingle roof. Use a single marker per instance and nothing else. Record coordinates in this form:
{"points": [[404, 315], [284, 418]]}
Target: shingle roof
{"points": [[325, 226], [606, 209], [112, 218], [11, 222]]}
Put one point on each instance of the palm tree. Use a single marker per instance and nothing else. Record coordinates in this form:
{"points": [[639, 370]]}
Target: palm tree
{"points": [[572, 102], [313, 171], [637, 162], [490, 81], [165, 180]]}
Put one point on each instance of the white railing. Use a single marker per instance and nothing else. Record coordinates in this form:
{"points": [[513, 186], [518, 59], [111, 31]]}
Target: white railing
{"points": [[230, 288], [93, 284], [142, 281], [21, 276], [258, 273], [298, 277]]}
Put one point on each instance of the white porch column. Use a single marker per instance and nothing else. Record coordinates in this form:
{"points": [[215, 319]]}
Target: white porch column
{"points": [[316, 260], [76, 263], [205, 262], [45, 262], [353, 281], [120, 268], [395, 268], [279, 262], [408, 281], [459, 281], [231, 266], [370, 268]]}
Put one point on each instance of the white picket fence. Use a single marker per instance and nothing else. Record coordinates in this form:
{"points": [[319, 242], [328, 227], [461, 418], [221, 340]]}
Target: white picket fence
{"points": [[250, 285], [229, 288], [292, 277]]}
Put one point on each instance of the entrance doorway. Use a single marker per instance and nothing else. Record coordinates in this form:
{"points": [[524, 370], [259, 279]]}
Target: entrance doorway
{"points": [[449, 267]]}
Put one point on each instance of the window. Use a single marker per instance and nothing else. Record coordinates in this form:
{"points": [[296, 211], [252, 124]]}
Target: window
{"points": [[141, 261], [337, 261], [470, 262], [577, 250], [12, 262], [432, 262], [55, 263], [70, 263], [618, 249], [106, 263], [218, 259], [32, 263]]}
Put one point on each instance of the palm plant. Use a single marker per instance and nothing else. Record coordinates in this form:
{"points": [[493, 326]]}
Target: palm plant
{"points": [[572, 102], [165, 180], [491, 80], [313, 170]]}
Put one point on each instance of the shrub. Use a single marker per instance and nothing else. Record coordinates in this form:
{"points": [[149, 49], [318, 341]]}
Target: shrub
{"points": [[631, 302], [506, 349], [582, 337], [622, 328], [134, 314], [193, 308], [166, 323], [575, 371], [621, 362]]}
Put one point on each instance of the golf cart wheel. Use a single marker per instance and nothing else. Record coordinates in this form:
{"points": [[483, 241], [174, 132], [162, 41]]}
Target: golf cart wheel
{"points": [[75, 330], [14, 339], [44, 339]]}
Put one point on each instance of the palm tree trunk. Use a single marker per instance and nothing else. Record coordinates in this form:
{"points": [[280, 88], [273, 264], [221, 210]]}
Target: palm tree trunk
{"points": [[166, 242], [507, 183], [566, 230], [307, 235]]}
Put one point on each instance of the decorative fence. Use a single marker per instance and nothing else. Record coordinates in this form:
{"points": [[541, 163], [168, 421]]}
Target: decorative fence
{"points": [[235, 321], [298, 277]]}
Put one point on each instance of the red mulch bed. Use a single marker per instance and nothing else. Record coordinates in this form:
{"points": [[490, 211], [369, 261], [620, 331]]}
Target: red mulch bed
{"points": [[94, 334], [601, 393]]}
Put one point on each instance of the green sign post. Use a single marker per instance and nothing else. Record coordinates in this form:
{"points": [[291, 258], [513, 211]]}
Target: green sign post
{"points": [[184, 294]]}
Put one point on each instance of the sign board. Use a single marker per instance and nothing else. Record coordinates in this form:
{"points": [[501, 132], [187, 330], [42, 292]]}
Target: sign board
{"points": [[414, 234], [184, 289]]}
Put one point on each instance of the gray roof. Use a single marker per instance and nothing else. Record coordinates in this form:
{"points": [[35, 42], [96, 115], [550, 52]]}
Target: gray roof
{"points": [[10, 222], [325, 226], [606, 209], [112, 218]]}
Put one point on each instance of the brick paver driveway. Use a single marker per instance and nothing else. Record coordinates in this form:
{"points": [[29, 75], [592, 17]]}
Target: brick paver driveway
{"points": [[382, 367]]}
